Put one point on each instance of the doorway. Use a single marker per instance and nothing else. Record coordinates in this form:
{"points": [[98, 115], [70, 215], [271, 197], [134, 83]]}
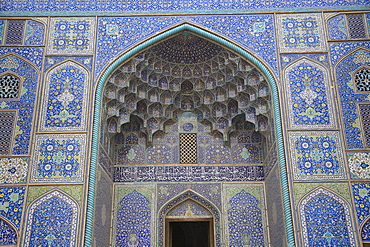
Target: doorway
{"points": [[190, 233]]}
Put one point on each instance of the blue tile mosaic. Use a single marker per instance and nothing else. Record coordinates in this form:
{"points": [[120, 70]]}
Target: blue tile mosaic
{"points": [[2, 27], [71, 35], [246, 153], [325, 220], [316, 155], [189, 209], [8, 235], [349, 98], [11, 204], [155, 7], [51, 61], [308, 93], [59, 158], [65, 98], [189, 195], [361, 195], [218, 154], [13, 170], [198, 173], [131, 154], [365, 231], [245, 221], [337, 28], [321, 58], [300, 32], [52, 221], [34, 34], [25, 104], [210, 191], [116, 35], [340, 49], [133, 221]]}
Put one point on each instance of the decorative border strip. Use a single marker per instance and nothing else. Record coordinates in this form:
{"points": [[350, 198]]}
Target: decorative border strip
{"points": [[142, 46]]}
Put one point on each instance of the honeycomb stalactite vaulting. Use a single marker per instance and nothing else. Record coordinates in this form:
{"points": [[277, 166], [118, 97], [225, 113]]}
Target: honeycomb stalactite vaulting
{"points": [[186, 73]]}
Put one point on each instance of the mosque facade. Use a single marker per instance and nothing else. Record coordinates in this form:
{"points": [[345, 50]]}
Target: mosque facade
{"points": [[185, 123]]}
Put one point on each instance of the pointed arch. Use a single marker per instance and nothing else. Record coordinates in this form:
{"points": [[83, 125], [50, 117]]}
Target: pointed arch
{"points": [[9, 235], [64, 107], [364, 230], [309, 103], [177, 200], [218, 40], [325, 216], [63, 209]]}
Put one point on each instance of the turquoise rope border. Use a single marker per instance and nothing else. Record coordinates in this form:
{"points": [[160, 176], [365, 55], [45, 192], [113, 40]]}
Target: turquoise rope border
{"points": [[139, 48]]}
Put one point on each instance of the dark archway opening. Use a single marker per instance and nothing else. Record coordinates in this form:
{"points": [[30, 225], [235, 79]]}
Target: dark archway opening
{"points": [[190, 234]]}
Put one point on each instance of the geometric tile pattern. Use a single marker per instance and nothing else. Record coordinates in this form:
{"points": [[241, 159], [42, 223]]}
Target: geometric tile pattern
{"points": [[337, 28], [7, 121], [361, 195], [316, 155], [188, 148], [72, 35], [362, 78], [13, 170], [11, 204], [325, 220], [123, 6], [133, 221], [65, 98], [9, 86], [52, 221], [356, 26], [52, 61], [8, 236], [300, 32], [199, 173], [359, 165], [308, 94], [321, 58], [14, 32], [349, 98], [25, 103], [245, 221], [59, 158]]}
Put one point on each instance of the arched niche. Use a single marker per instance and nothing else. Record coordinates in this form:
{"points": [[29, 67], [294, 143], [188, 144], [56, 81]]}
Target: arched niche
{"points": [[211, 122], [9, 236], [189, 207], [325, 219]]}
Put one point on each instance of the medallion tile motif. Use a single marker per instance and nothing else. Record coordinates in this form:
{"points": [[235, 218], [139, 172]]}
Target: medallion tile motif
{"points": [[325, 220], [317, 155], [72, 35], [361, 195], [52, 221], [309, 95], [300, 32], [59, 158], [359, 165], [65, 98]]}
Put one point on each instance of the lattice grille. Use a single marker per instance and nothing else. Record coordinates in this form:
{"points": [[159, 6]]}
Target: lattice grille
{"points": [[362, 80], [14, 33], [188, 148], [7, 119], [356, 26], [365, 117], [9, 86]]}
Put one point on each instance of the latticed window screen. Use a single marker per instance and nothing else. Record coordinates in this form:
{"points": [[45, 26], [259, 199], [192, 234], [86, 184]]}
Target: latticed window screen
{"points": [[356, 26], [15, 32], [7, 119], [362, 80], [9, 86], [365, 118], [188, 148]]}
